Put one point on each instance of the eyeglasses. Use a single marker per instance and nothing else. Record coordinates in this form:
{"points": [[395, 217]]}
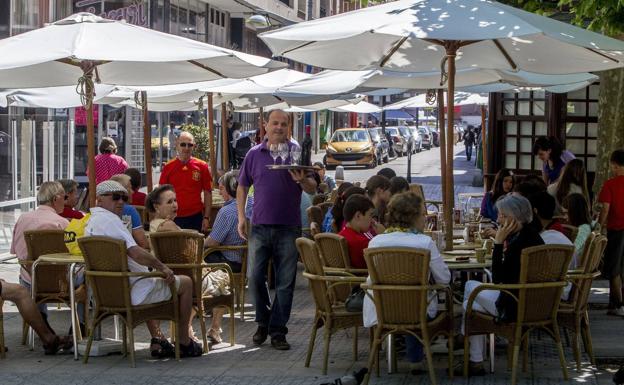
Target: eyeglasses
{"points": [[117, 196], [189, 145]]}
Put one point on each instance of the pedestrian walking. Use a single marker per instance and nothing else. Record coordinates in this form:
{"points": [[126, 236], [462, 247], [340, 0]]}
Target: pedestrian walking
{"points": [[469, 141], [276, 224], [108, 163]]}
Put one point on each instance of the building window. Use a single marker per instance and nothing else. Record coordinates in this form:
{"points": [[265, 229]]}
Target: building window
{"points": [[581, 128]]}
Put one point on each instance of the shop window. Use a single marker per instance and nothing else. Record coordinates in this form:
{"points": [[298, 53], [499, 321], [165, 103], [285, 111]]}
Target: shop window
{"points": [[581, 128]]}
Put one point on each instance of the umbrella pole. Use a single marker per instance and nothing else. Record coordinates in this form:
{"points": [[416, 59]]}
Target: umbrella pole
{"points": [[211, 139], [90, 136], [147, 142], [442, 140], [451, 51], [224, 143], [484, 145], [261, 122]]}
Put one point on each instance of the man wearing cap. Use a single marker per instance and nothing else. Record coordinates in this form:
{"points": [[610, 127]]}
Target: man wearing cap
{"points": [[319, 167], [189, 177], [108, 163], [276, 224], [106, 221]]}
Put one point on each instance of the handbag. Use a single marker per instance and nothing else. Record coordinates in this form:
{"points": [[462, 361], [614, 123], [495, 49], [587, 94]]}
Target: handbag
{"points": [[355, 301]]}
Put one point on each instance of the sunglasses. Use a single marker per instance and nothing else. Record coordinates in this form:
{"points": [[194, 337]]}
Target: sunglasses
{"points": [[189, 145], [117, 196]]}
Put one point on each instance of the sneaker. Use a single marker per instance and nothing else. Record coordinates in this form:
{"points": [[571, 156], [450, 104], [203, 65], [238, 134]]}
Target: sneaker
{"points": [[475, 369], [261, 335], [620, 311], [279, 342]]}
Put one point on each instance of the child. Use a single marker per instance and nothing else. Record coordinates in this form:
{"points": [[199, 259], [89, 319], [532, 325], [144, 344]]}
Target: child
{"points": [[358, 214], [612, 215]]}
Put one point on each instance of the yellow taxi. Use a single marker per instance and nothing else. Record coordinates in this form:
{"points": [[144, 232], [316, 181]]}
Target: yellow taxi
{"points": [[350, 147]]}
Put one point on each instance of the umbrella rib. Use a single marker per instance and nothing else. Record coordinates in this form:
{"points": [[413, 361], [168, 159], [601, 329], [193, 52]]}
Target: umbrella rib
{"points": [[198, 64], [392, 51], [298, 47], [505, 54], [602, 54]]}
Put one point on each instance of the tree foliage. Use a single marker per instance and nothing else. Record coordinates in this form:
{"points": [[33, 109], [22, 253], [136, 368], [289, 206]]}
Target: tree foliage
{"points": [[200, 133]]}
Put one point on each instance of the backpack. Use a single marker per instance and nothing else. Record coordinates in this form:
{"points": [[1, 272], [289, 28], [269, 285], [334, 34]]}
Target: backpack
{"points": [[74, 231]]}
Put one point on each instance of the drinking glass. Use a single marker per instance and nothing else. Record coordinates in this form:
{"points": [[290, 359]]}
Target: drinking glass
{"points": [[283, 152], [295, 155], [274, 149]]}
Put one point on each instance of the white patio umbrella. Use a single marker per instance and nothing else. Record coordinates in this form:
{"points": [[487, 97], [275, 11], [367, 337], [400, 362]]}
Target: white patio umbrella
{"points": [[418, 35], [50, 97], [84, 47], [420, 101]]}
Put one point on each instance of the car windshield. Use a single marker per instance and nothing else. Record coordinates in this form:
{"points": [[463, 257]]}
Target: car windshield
{"points": [[422, 130], [404, 131], [392, 130], [350, 136], [374, 134]]}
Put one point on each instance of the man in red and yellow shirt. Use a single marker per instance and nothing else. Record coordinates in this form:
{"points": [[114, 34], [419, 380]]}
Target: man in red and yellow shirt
{"points": [[189, 177]]}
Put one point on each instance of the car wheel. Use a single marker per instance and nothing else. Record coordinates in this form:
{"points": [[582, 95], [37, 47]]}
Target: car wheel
{"points": [[386, 159], [419, 148]]}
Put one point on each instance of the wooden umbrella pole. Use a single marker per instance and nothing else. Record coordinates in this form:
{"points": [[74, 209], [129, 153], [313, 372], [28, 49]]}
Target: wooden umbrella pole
{"points": [[211, 138], [261, 122], [442, 140], [451, 51], [89, 90], [224, 143], [484, 153], [147, 142]]}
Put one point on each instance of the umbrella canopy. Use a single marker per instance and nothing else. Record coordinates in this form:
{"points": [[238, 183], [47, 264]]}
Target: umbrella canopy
{"points": [[51, 97], [409, 36], [125, 54], [420, 101]]}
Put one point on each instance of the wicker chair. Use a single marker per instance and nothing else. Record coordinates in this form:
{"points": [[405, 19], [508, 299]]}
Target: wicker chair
{"points": [[400, 286], [51, 285], [334, 253], [181, 252], [239, 279], [106, 269], [570, 232], [537, 294], [315, 218], [144, 214], [329, 315], [2, 352], [573, 313]]}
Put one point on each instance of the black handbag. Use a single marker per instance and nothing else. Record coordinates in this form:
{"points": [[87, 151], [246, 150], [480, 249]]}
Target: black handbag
{"points": [[355, 301]]}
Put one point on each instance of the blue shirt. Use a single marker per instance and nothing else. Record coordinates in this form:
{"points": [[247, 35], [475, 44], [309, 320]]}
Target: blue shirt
{"points": [[330, 182], [225, 230], [326, 227], [488, 207], [131, 218], [306, 202]]}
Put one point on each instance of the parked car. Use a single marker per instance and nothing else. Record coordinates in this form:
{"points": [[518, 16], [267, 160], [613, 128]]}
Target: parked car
{"points": [[417, 147], [399, 142], [351, 147], [427, 138], [409, 138], [381, 145], [435, 136]]}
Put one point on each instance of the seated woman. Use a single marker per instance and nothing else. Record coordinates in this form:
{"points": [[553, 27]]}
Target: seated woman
{"points": [[514, 216], [326, 227], [398, 185], [573, 180], [130, 216], [406, 223], [358, 213], [576, 210], [503, 184]]}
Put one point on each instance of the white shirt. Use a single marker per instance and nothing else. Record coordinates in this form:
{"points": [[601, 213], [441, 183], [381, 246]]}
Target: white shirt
{"points": [[554, 237], [108, 224], [437, 267]]}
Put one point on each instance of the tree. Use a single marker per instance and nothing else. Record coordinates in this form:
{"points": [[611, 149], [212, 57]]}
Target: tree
{"points": [[607, 17]]}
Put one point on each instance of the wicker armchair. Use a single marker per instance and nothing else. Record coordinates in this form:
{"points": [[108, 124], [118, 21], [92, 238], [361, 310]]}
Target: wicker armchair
{"points": [[570, 232], [573, 313], [537, 294], [181, 252], [315, 219], [329, 315], [239, 279], [334, 253], [106, 269], [144, 214], [400, 286], [51, 285]]}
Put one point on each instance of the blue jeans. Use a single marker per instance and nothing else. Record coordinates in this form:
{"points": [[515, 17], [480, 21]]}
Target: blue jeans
{"points": [[275, 243], [413, 349]]}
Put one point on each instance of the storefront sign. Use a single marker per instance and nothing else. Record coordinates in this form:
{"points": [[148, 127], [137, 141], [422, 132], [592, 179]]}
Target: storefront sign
{"points": [[81, 116], [135, 12]]}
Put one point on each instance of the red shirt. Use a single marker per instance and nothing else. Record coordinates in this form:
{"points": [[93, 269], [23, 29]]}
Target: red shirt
{"points": [[357, 243], [138, 198], [70, 213], [189, 180], [613, 193], [555, 225]]}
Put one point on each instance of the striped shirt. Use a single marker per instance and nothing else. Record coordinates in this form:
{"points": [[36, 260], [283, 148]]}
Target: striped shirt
{"points": [[107, 165], [225, 230]]}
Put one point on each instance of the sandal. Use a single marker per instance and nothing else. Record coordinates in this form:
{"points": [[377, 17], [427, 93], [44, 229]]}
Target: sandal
{"points": [[214, 336], [59, 343], [164, 350], [193, 349]]}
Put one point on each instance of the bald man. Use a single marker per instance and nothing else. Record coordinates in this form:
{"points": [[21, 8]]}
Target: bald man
{"points": [[190, 177]]}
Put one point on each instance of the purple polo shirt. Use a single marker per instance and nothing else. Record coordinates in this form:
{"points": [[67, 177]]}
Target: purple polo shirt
{"points": [[276, 195]]}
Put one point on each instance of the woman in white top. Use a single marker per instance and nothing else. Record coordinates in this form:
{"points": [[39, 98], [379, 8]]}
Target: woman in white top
{"points": [[406, 223]]}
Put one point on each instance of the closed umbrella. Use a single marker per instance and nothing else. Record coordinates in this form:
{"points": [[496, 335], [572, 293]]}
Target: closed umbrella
{"points": [[84, 49], [425, 35]]}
